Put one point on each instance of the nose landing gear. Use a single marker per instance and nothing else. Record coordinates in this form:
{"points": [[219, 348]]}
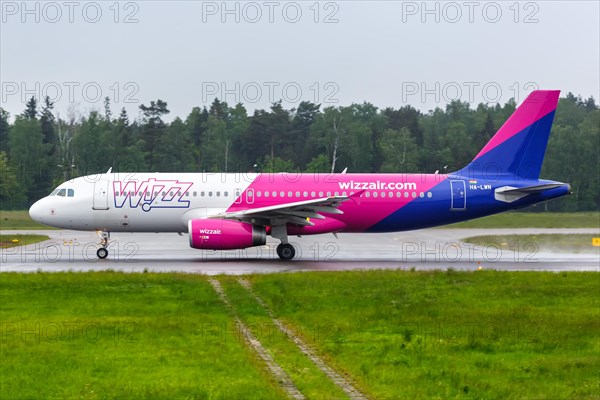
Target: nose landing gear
{"points": [[102, 252]]}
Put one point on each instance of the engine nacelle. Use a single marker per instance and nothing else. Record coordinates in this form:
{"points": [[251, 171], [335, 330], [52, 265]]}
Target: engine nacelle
{"points": [[220, 234]]}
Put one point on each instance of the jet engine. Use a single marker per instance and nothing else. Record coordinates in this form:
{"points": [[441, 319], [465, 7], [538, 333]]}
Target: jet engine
{"points": [[221, 234]]}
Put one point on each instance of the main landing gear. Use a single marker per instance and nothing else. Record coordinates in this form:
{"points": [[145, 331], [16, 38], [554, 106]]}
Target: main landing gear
{"points": [[102, 252], [285, 251]]}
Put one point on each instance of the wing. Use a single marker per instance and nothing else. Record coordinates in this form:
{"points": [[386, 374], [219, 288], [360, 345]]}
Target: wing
{"points": [[298, 213]]}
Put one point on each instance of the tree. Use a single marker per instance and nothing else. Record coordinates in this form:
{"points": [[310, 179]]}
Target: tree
{"points": [[196, 126], [4, 128], [92, 150], [49, 132], [107, 112], [12, 194], [276, 164], [302, 120], [399, 151], [174, 152], [31, 109], [319, 164], [153, 127], [29, 155]]}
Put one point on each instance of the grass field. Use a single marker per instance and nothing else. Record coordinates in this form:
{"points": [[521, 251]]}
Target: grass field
{"points": [[534, 220], [572, 243], [130, 336], [396, 334], [20, 240], [21, 220], [481, 335], [12, 220]]}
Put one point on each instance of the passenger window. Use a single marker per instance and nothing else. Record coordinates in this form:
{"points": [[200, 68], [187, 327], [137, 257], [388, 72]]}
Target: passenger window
{"points": [[70, 192]]}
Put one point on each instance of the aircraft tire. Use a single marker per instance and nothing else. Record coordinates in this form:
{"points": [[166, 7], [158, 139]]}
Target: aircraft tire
{"points": [[286, 251], [102, 253]]}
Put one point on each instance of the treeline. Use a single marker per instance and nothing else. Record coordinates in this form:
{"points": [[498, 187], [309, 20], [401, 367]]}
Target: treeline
{"points": [[39, 150]]}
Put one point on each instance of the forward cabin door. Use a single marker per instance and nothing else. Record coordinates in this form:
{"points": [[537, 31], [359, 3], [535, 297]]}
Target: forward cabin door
{"points": [[100, 195]]}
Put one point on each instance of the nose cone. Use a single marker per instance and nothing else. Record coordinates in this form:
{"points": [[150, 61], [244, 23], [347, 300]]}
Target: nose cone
{"points": [[36, 211]]}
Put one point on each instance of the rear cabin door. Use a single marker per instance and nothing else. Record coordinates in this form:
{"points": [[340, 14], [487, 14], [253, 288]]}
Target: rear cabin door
{"points": [[458, 199]]}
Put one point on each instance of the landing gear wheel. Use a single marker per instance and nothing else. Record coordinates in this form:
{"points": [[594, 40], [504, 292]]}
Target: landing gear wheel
{"points": [[102, 253], [286, 251]]}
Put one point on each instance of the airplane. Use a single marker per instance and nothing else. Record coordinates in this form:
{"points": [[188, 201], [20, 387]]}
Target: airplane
{"points": [[223, 211]]}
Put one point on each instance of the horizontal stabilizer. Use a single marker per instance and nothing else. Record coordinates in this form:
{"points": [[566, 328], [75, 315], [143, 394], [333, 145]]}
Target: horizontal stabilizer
{"points": [[508, 194]]}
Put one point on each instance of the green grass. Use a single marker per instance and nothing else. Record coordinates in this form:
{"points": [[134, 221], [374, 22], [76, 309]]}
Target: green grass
{"points": [[396, 334], [311, 382], [114, 335], [548, 242], [20, 240], [13, 220], [449, 335], [533, 220]]}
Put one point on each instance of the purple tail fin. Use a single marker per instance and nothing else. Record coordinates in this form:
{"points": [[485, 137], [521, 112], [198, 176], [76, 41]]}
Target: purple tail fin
{"points": [[519, 145]]}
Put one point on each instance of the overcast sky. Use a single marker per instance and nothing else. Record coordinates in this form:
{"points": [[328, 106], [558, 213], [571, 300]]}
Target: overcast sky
{"points": [[389, 53]]}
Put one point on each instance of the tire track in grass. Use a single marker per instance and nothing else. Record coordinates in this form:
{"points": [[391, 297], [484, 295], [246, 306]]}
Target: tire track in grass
{"points": [[335, 377], [276, 371]]}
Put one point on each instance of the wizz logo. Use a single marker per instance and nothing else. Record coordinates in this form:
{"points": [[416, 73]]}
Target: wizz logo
{"points": [[151, 193]]}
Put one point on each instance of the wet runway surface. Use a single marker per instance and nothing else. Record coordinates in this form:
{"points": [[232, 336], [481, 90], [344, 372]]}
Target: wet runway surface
{"points": [[422, 250]]}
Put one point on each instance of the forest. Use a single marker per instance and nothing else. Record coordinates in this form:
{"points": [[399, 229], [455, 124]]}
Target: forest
{"points": [[39, 150]]}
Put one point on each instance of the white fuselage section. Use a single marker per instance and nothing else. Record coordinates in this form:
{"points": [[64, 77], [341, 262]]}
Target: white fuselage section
{"points": [[140, 202]]}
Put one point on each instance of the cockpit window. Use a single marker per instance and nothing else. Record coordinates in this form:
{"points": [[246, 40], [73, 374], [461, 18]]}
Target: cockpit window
{"points": [[54, 192], [70, 192], [62, 192]]}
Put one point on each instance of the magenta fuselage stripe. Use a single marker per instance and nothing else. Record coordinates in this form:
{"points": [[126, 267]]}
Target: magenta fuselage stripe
{"points": [[359, 213], [537, 106]]}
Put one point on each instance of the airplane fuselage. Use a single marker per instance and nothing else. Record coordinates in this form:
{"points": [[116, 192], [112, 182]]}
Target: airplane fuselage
{"points": [[165, 202]]}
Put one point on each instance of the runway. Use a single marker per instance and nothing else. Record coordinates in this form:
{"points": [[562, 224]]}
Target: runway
{"points": [[422, 250]]}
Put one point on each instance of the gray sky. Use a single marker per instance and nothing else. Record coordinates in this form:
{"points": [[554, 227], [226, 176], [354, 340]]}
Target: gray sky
{"points": [[389, 53]]}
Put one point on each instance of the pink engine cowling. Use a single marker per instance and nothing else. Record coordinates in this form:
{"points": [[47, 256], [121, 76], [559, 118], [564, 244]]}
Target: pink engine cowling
{"points": [[220, 234]]}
